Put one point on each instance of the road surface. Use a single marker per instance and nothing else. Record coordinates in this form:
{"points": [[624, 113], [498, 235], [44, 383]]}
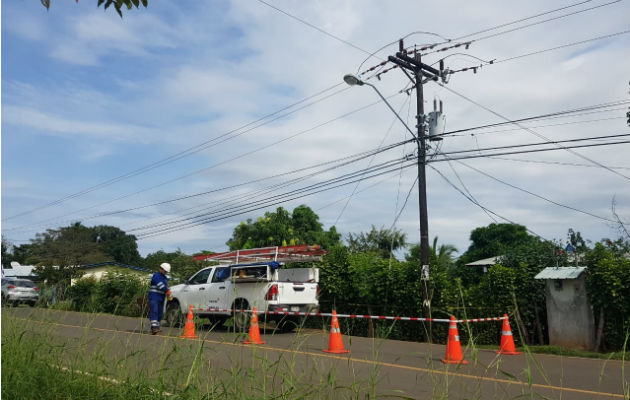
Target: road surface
{"points": [[295, 363]]}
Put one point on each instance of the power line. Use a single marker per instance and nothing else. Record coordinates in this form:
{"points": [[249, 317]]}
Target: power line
{"points": [[539, 143], [181, 177], [350, 175], [561, 46], [466, 44], [479, 204], [537, 117], [534, 194], [186, 152], [522, 19], [553, 163], [340, 162], [541, 126], [532, 131], [530, 151], [269, 203], [315, 27]]}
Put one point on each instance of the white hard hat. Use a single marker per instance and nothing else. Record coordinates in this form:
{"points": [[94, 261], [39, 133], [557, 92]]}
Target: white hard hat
{"points": [[166, 267]]}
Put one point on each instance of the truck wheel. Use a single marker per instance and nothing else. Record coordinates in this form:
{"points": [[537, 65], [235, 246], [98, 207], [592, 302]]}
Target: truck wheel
{"points": [[241, 319], [174, 317]]}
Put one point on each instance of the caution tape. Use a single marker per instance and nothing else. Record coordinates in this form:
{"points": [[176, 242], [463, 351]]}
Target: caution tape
{"points": [[351, 316]]}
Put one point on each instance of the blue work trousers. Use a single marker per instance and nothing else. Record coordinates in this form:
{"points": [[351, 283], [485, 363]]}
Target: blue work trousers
{"points": [[156, 309]]}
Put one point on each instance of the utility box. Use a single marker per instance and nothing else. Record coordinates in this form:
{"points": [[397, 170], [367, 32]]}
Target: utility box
{"points": [[569, 313]]}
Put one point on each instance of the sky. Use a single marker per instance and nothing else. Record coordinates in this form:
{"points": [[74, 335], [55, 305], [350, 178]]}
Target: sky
{"points": [[183, 119]]}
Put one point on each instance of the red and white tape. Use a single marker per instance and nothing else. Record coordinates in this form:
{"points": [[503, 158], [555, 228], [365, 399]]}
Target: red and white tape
{"points": [[352, 316]]}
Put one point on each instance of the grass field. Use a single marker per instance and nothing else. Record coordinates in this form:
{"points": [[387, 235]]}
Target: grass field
{"points": [[40, 366]]}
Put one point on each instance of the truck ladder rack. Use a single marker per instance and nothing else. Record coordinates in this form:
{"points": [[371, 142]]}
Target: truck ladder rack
{"points": [[284, 254]]}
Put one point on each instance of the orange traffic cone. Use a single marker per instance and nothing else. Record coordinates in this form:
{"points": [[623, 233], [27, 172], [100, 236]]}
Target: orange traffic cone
{"points": [[453, 347], [335, 344], [189, 328], [254, 332], [507, 340]]}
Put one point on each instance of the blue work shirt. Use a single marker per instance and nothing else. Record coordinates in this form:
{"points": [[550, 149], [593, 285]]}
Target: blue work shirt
{"points": [[158, 288]]}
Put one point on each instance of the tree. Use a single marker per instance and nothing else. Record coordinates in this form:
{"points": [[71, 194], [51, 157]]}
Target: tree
{"points": [[183, 266], [608, 289], [280, 228], [114, 242], [6, 262], [382, 241], [575, 240], [58, 252], [118, 4]]}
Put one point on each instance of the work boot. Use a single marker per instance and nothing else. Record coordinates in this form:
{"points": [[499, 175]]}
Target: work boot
{"points": [[154, 331]]}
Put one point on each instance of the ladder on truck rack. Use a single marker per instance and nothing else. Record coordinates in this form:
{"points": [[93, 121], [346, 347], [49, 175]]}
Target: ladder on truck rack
{"points": [[285, 254]]}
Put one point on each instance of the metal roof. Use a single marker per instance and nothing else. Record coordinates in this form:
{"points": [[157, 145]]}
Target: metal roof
{"points": [[485, 262], [19, 270], [560, 273]]}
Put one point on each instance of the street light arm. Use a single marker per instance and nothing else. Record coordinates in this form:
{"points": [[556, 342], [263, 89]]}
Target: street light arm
{"points": [[391, 108]]}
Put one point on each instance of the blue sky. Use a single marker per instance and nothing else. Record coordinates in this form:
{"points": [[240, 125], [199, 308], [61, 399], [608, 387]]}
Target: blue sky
{"points": [[88, 97]]}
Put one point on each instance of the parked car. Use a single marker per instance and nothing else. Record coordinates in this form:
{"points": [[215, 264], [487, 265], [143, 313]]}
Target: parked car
{"points": [[15, 291]]}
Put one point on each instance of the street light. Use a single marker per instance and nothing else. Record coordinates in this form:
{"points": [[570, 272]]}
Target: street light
{"points": [[354, 80]]}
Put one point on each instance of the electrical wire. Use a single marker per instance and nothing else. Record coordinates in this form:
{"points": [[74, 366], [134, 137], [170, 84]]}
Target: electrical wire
{"points": [[315, 27], [538, 117], [343, 177], [188, 151], [246, 154], [533, 132], [391, 125], [534, 194], [479, 204], [532, 150], [269, 203]]}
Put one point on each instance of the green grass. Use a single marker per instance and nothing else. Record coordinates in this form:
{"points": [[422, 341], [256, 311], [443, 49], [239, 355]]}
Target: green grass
{"points": [[39, 365], [563, 351]]}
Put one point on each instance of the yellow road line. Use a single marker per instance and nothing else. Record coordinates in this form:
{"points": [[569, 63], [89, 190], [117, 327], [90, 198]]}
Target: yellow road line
{"points": [[358, 360]]}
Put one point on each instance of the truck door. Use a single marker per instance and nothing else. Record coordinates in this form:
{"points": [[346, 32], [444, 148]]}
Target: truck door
{"points": [[197, 287], [219, 293]]}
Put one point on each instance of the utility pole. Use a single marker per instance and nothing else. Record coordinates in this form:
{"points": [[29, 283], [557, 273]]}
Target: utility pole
{"points": [[420, 73]]}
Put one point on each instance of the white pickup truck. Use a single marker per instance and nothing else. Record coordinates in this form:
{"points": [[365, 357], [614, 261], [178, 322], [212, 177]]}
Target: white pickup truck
{"points": [[242, 287]]}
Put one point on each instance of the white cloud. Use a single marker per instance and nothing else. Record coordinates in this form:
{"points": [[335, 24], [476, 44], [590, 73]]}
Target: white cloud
{"points": [[191, 74]]}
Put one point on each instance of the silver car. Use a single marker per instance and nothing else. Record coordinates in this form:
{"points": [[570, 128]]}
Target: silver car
{"points": [[15, 291]]}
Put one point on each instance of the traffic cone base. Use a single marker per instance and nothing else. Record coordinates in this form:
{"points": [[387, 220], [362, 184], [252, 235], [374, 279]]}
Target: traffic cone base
{"points": [[189, 328], [335, 342], [453, 347], [507, 340], [254, 331]]}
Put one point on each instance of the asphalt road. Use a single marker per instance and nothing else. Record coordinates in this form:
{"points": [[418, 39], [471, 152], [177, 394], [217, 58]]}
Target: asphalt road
{"points": [[295, 362]]}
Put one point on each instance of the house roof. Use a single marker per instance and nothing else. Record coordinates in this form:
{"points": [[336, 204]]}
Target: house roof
{"points": [[560, 273], [103, 264], [19, 270], [485, 262]]}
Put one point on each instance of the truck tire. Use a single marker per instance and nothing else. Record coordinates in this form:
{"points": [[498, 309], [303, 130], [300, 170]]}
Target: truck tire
{"points": [[174, 317], [241, 319]]}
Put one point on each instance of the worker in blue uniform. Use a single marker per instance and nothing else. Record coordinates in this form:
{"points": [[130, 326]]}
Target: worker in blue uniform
{"points": [[158, 292]]}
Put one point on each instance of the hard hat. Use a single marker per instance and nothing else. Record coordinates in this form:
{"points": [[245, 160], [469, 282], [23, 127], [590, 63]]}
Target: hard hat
{"points": [[166, 267]]}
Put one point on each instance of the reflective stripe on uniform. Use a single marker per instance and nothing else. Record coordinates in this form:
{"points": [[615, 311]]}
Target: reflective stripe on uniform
{"points": [[156, 291], [154, 323]]}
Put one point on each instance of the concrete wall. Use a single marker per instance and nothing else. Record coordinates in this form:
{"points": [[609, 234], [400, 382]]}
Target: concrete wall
{"points": [[569, 314]]}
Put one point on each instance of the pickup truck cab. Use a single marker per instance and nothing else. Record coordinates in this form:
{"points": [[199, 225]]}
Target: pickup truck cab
{"points": [[216, 292]]}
